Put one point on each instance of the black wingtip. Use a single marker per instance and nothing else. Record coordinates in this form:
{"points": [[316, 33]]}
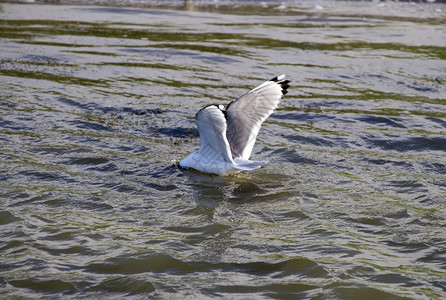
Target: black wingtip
{"points": [[283, 83]]}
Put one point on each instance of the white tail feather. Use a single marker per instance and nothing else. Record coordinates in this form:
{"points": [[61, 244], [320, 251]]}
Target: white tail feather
{"points": [[248, 165]]}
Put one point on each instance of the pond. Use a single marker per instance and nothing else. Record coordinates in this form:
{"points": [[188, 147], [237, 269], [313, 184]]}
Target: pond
{"points": [[97, 108]]}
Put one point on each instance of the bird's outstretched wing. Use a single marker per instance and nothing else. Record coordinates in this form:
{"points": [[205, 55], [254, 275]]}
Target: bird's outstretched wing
{"points": [[246, 114], [211, 123]]}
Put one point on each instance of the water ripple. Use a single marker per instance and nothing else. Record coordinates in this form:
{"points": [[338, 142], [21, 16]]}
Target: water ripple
{"points": [[94, 122]]}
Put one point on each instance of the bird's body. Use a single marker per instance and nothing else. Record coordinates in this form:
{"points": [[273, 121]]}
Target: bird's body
{"points": [[228, 134]]}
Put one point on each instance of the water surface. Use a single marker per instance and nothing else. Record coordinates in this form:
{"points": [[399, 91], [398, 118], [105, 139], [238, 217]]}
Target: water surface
{"points": [[97, 107]]}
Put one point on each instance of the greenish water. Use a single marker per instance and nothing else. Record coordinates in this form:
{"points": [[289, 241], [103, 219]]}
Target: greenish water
{"points": [[96, 110]]}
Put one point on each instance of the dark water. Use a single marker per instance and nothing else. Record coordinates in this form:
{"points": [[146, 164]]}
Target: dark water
{"points": [[97, 107]]}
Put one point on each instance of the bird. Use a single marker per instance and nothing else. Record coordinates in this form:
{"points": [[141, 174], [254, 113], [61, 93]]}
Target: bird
{"points": [[228, 134]]}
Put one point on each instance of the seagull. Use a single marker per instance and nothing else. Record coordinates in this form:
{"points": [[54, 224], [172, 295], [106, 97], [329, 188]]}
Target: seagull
{"points": [[227, 135]]}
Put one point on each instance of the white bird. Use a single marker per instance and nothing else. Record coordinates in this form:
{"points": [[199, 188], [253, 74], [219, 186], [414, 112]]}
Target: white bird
{"points": [[227, 136]]}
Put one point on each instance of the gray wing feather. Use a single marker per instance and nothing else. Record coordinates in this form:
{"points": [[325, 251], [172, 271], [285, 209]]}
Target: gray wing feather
{"points": [[246, 114], [212, 126]]}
